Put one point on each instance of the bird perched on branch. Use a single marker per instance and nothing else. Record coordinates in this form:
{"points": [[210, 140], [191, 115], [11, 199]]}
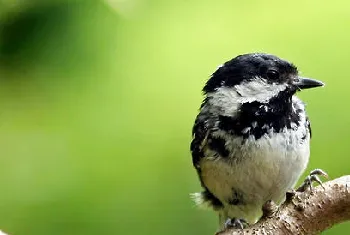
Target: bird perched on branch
{"points": [[251, 138]]}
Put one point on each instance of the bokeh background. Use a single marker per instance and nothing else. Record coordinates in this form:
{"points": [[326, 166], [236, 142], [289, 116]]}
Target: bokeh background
{"points": [[98, 98]]}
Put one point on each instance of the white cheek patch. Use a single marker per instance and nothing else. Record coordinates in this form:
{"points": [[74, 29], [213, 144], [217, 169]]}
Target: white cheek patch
{"points": [[258, 90], [227, 100], [224, 101]]}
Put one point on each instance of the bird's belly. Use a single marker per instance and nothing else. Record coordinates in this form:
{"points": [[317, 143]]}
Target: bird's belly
{"points": [[256, 171]]}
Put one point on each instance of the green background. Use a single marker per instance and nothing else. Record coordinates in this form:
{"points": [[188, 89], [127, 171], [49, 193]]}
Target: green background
{"points": [[98, 98]]}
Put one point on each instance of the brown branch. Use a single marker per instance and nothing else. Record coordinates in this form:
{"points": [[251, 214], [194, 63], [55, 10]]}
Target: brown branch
{"points": [[307, 212]]}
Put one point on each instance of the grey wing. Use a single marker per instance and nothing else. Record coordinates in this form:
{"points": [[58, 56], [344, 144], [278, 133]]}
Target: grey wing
{"points": [[204, 139], [200, 132]]}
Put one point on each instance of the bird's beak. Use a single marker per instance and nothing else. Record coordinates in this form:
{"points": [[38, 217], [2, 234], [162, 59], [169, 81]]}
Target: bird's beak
{"points": [[306, 83]]}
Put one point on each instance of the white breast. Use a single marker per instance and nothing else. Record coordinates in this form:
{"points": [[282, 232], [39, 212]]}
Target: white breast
{"points": [[261, 170]]}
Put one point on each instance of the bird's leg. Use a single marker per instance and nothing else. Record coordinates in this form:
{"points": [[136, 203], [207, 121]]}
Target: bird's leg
{"points": [[236, 223], [312, 177]]}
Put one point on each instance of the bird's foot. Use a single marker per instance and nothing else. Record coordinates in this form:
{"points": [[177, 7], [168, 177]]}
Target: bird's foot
{"points": [[312, 177], [236, 223]]}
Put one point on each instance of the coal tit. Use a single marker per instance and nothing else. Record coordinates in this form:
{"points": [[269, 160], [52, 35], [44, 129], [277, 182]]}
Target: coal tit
{"points": [[251, 138]]}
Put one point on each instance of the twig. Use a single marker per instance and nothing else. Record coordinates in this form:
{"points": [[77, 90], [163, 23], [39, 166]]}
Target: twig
{"points": [[307, 212]]}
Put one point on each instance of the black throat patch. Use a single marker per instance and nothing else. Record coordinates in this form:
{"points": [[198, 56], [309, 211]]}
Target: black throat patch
{"points": [[258, 118]]}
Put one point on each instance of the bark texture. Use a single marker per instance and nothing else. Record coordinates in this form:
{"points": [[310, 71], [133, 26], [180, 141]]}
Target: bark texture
{"points": [[308, 212]]}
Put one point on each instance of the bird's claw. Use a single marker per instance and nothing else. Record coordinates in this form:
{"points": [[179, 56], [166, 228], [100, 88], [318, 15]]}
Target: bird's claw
{"points": [[319, 172], [236, 223], [312, 177]]}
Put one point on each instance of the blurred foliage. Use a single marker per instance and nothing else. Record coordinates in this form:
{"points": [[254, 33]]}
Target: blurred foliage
{"points": [[98, 99]]}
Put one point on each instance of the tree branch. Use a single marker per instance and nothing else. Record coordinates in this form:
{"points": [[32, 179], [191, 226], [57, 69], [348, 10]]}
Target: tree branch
{"points": [[307, 212]]}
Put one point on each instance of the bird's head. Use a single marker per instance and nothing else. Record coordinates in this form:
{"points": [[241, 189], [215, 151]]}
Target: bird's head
{"points": [[256, 77]]}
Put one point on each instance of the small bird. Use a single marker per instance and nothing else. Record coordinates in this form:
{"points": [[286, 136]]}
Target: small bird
{"points": [[251, 138]]}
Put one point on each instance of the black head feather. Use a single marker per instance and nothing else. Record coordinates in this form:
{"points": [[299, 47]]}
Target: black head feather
{"points": [[248, 66]]}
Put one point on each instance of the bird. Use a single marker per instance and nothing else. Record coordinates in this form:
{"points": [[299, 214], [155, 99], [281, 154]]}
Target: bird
{"points": [[251, 139]]}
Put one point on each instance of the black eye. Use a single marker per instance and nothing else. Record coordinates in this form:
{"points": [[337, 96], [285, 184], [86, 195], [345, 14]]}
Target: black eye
{"points": [[272, 74]]}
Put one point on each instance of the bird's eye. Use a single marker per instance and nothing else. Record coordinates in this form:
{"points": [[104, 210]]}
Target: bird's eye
{"points": [[272, 74]]}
